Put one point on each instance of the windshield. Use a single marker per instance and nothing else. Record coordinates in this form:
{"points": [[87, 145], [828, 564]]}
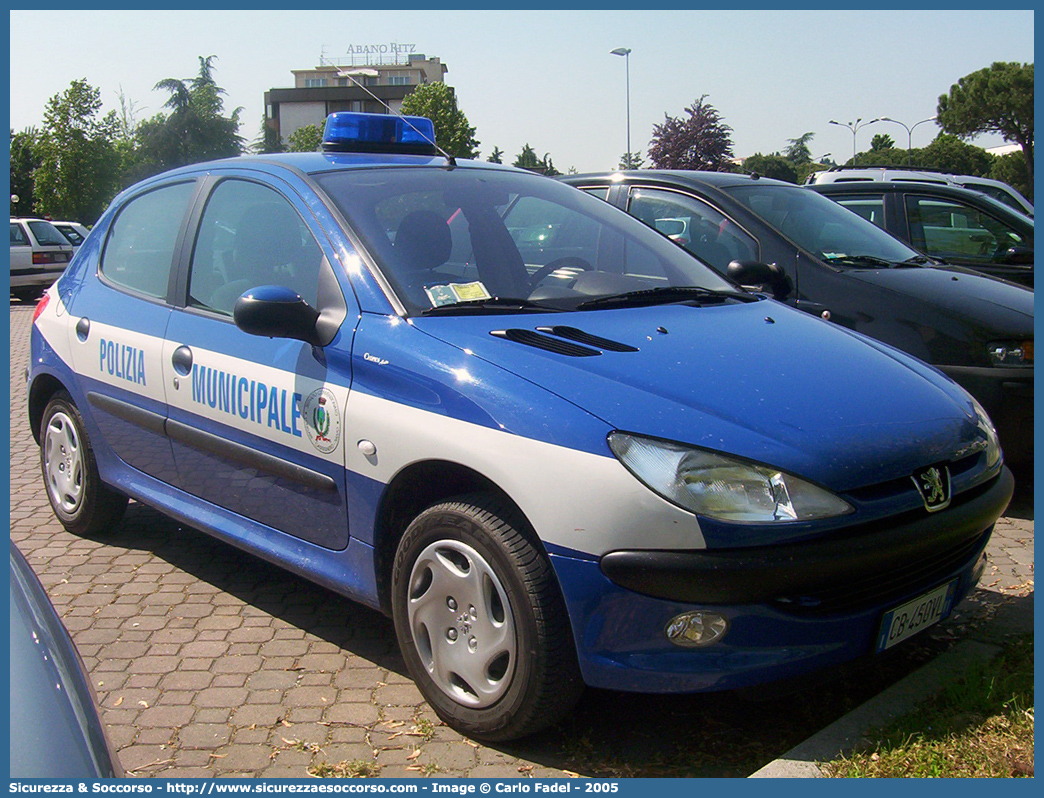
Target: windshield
{"points": [[819, 225], [505, 241]]}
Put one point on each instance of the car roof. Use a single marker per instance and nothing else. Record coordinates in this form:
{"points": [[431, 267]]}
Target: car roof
{"points": [[676, 176], [932, 189]]}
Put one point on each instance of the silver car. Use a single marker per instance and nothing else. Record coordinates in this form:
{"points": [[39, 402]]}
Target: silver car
{"points": [[39, 255]]}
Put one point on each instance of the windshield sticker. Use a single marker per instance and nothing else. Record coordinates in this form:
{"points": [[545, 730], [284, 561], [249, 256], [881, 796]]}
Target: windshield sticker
{"points": [[457, 292]]}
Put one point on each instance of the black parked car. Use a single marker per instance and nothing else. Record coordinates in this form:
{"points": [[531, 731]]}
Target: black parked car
{"points": [[949, 224], [813, 254]]}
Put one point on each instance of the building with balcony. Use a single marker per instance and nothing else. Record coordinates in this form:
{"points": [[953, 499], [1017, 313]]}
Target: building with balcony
{"points": [[334, 86]]}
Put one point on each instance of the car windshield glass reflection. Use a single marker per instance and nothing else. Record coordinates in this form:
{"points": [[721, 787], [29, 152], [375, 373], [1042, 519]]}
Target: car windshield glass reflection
{"points": [[822, 227], [503, 242]]}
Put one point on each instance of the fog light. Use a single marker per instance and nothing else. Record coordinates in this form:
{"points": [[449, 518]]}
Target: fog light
{"points": [[699, 628]]}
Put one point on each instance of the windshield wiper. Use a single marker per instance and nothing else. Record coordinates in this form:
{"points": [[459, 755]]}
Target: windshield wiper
{"points": [[917, 260], [665, 295], [489, 305], [862, 260]]}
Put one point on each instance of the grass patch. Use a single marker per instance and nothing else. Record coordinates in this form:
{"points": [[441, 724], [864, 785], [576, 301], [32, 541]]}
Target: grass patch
{"points": [[354, 769], [979, 726]]}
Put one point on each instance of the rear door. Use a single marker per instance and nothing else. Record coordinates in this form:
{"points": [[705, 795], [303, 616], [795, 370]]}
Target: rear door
{"points": [[117, 319], [257, 424]]}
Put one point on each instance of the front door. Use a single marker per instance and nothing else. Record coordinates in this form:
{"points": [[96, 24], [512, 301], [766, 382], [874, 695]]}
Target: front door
{"points": [[257, 424]]}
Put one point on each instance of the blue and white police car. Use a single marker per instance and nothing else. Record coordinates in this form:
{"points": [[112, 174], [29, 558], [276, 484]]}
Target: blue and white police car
{"points": [[555, 447]]}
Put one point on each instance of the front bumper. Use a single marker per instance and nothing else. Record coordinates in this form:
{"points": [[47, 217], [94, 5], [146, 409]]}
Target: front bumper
{"points": [[791, 609]]}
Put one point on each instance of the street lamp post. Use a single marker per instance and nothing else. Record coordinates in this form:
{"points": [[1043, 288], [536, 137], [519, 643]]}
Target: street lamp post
{"points": [[626, 53], [854, 127], [909, 134]]}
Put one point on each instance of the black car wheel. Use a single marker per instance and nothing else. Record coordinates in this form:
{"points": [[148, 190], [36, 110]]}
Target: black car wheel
{"points": [[481, 622], [78, 497]]}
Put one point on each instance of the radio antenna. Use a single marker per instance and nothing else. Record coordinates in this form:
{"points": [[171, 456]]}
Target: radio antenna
{"points": [[372, 73]]}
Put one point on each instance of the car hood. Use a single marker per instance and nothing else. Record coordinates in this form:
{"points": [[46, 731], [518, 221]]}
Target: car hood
{"points": [[757, 380], [997, 307]]}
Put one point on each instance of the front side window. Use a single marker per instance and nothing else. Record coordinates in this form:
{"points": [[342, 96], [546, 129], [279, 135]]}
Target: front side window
{"points": [[250, 236], [139, 251], [695, 225], [951, 230], [446, 236]]}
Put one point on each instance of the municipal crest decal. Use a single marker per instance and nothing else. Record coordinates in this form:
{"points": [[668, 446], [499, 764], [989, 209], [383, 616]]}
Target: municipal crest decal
{"points": [[322, 420]]}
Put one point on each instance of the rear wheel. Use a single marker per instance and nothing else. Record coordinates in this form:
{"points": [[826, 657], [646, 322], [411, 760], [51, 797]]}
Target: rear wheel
{"points": [[481, 622], [78, 497]]}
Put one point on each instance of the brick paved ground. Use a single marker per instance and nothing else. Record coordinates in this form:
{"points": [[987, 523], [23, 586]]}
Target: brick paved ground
{"points": [[208, 662]]}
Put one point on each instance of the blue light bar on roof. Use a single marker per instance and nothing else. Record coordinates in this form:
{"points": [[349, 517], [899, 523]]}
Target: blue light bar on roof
{"points": [[354, 132]]}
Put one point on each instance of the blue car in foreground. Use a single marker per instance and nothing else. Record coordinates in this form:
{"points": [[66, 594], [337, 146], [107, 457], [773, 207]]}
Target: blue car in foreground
{"points": [[55, 729], [554, 447]]}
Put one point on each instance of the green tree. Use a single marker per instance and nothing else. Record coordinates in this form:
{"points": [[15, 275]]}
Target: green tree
{"points": [[305, 139], [797, 150], [699, 140], [195, 128], [527, 159], [1010, 169], [882, 141], [631, 160], [437, 102], [79, 167], [776, 166], [949, 154], [497, 156], [997, 99], [24, 162], [268, 139]]}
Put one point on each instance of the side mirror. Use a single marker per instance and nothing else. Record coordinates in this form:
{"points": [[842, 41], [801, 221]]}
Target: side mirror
{"points": [[1018, 256], [759, 276], [275, 311]]}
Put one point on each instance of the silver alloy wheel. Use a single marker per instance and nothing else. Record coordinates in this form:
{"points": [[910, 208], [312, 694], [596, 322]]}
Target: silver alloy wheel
{"points": [[63, 462], [462, 623]]}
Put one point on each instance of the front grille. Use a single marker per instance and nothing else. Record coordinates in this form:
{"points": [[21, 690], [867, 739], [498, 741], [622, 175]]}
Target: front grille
{"points": [[881, 588]]}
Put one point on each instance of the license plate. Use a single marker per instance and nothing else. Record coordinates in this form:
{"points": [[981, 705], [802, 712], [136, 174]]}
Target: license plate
{"points": [[905, 621]]}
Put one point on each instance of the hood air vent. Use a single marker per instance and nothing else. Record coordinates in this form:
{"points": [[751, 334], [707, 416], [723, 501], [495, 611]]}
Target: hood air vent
{"points": [[573, 334], [546, 342]]}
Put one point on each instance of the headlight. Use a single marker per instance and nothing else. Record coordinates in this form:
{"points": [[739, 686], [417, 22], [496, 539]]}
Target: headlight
{"points": [[722, 487], [993, 449], [1010, 353]]}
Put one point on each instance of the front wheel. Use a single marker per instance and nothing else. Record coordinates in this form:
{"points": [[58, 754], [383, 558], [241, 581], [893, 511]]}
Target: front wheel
{"points": [[481, 622], [78, 497]]}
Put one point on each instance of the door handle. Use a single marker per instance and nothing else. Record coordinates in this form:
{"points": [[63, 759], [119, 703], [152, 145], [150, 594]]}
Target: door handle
{"points": [[181, 359]]}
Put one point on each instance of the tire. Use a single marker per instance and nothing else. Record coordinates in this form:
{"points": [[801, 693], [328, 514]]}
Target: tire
{"points": [[481, 622], [83, 504]]}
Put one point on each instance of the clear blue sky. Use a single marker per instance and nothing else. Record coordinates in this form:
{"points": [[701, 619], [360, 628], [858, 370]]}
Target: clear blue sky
{"points": [[547, 77]]}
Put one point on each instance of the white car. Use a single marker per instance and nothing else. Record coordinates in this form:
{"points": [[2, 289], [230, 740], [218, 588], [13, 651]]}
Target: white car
{"points": [[74, 231], [993, 188], [39, 255]]}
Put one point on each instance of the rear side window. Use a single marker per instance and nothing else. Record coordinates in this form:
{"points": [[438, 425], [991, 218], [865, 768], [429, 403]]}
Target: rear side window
{"points": [[870, 207], [18, 237], [139, 252]]}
